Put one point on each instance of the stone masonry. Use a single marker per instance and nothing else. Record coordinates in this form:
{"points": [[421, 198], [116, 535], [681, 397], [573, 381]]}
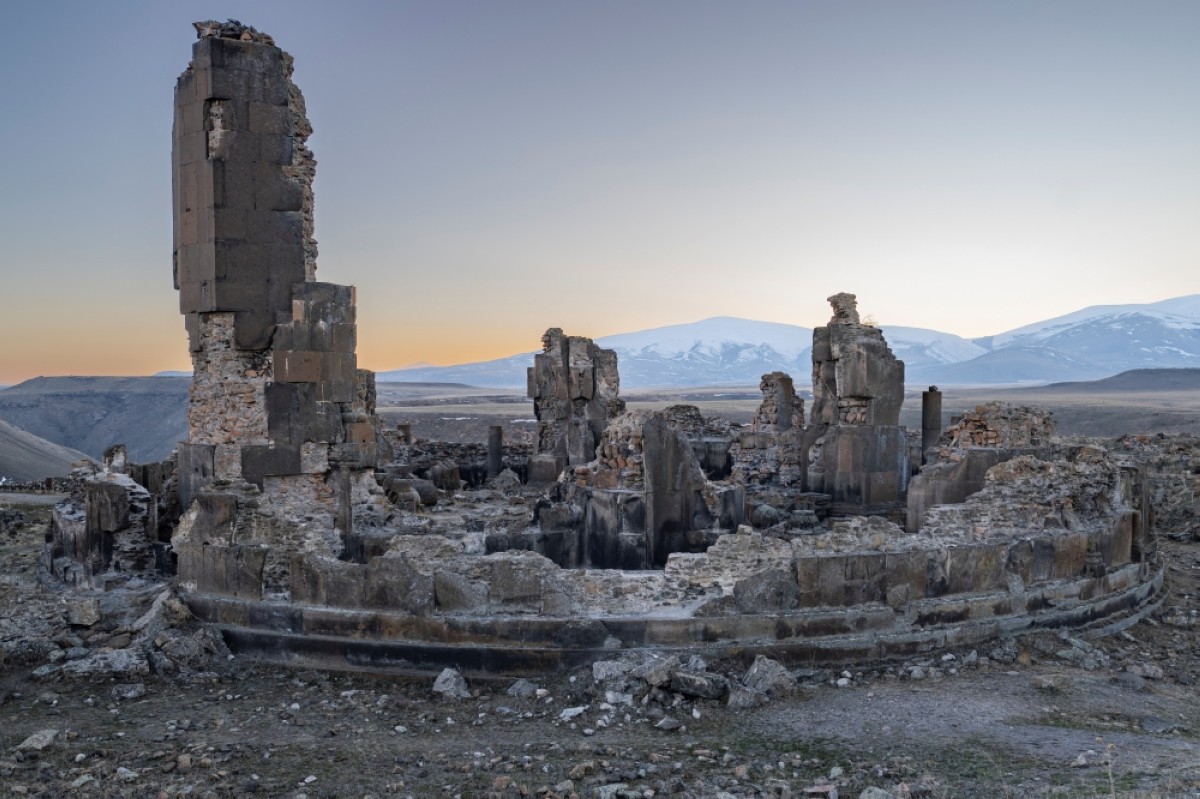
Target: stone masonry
{"points": [[770, 451], [991, 434], [277, 402], [287, 542], [857, 452], [574, 386]]}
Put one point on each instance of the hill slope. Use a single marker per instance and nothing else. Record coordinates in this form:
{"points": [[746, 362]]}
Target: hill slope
{"points": [[24, 456], [146, 414]]}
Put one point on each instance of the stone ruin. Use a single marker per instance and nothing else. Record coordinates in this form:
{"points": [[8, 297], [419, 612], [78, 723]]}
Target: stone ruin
{"points": [[574, 386], [991, 434], [857, 453], [648, 493], [304, 532]]}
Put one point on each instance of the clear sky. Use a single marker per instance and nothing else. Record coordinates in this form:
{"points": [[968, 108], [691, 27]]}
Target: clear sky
{"points": [[491, 169]]}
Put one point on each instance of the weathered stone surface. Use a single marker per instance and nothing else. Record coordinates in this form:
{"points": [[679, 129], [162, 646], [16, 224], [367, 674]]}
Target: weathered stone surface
{"points": [[276, 399], [83, 612], [1000, 424], [768, 591], [771, 450], [856, 453], [706, 685], [645, 496], [38, 741], [115, 663], [451, 685], [574, 386], [769, 676], [856, 379]]}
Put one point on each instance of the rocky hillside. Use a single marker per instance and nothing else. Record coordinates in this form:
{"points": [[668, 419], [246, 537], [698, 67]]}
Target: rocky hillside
{"points": [[146, 414]]}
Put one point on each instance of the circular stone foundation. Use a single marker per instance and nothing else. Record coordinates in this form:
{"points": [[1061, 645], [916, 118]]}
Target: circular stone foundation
{"points": [[517, 612]]}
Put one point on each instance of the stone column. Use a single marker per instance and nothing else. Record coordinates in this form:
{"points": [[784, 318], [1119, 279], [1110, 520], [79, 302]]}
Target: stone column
{"points": [[931, 419], [404, 432], [495, 450]]}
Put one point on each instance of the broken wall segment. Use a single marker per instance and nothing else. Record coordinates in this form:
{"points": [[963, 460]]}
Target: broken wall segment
{"points": [[991, 434], [574, 385], [106, 532], [856, 378], [771, 451], [647, 494], [999, 424], [864, 590]]}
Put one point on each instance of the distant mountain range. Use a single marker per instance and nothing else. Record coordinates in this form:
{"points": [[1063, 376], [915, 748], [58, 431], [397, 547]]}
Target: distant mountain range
{"points": [[1092, 343]]}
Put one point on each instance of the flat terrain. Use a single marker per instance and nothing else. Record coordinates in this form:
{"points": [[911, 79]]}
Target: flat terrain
{"points": [[1163, 401], [149, 414]]}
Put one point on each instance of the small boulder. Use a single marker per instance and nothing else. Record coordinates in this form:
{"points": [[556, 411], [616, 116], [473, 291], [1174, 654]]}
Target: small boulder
{"points": [[522, 689], [38, 741], [450, 684], [769, 677]]}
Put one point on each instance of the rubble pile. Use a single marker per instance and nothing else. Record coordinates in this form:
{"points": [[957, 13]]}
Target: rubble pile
{"points": [[999, 424], [1172, 470]]}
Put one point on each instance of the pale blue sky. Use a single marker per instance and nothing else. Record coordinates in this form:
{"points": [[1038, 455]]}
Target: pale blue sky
{"points": [[490, 169]]}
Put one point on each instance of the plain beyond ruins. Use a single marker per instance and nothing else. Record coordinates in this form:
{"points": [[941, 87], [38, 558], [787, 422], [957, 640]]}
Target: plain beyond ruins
{"points": [[305, 531]]}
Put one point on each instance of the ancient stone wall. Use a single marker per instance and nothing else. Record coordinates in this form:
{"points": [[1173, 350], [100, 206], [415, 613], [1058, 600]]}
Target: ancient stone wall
{"points": [[1172, 472], [856, 378], [999, 424], [574, 385], [647, 494], [856, 450], [106, 533], [991, 434], [771, 451]]}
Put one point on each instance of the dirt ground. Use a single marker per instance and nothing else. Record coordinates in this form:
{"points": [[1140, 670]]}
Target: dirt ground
{"points": [[1048, 716]]}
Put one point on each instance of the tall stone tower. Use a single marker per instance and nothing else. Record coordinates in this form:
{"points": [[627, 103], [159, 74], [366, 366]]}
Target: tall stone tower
{"points": [[857, 452], [276, 399]]}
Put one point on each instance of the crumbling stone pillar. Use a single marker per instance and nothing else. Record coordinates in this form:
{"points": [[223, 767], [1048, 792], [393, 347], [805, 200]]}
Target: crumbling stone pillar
{"points": [[276, 400], [574, 386], [857, 452], [931, 419], [495, 450]]}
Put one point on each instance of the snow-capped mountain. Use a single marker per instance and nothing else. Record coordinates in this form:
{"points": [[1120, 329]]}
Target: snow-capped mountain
{"points": [[1088, 344], [1178, 313], [716, 351], [1106, 339]]}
